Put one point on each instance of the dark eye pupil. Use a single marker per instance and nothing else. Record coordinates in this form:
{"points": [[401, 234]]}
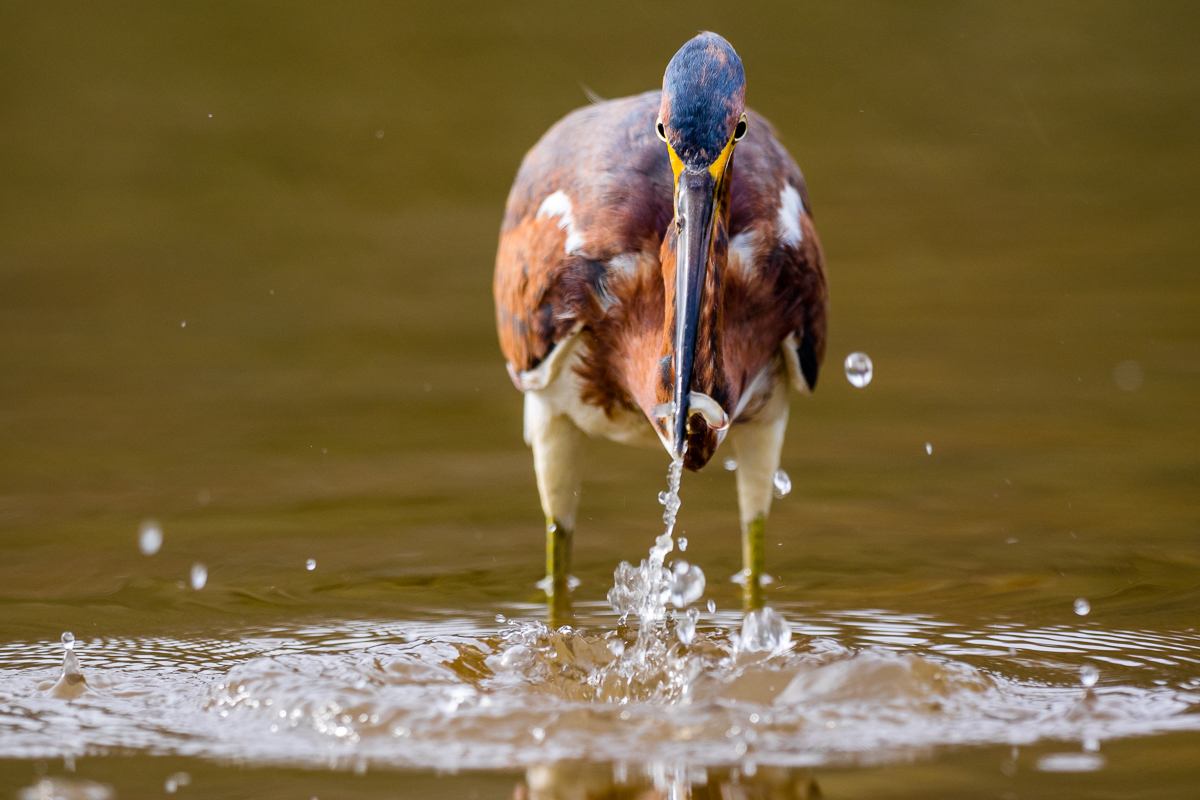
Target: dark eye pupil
{"points": [[740, 131], [662, 132]]}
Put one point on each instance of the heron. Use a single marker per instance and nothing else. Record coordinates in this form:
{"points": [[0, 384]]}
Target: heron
{"points": [[659, 282]]}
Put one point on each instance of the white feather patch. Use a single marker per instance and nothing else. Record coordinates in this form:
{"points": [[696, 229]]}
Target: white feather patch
{"points": [[790, 209], [743, 250], [557, 204]]}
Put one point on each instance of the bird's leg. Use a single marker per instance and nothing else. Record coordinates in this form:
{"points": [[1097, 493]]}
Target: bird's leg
{"points": [[557, 448], [756, 447]]}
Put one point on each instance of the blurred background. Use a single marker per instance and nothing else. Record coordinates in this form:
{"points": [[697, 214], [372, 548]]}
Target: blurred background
{"points": [[245, 290]]}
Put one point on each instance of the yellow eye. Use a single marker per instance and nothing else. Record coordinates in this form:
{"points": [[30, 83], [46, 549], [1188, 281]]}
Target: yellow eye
{"points": [[660, 130], [740, 130]]}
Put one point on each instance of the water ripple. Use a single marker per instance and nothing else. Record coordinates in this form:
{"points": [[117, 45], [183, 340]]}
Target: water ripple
{"points": [[456, 690]]}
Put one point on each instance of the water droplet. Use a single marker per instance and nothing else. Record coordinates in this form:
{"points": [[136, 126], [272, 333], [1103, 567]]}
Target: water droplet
{"points": [[150, 537], [183, 324], [730, 464], [199, 576], [538, 734], [929, 448], [1088, 675], [685, 629], [712, 607], [179, 778], [616, 647], [783, 484], [858, 369], [1128, 376], [311, 564], [682, 543], [378, 134], [501, 619], [1082, 607], [662, 498], [687, 584], [764, 630], [68, 640]]}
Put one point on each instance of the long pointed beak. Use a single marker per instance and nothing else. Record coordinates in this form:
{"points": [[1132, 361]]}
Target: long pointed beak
{"points": [[695, 199]]}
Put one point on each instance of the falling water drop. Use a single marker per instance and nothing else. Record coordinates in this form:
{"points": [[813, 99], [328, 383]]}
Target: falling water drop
{"points": [[783, 484], [501, 619], [929, 448], [311, 564], [150, 537], [712, 606], [681, 542], [730, 464], [68, 640], [687, 584], [858, 369], [199, 576], [1082, 607], [1088, 675]]}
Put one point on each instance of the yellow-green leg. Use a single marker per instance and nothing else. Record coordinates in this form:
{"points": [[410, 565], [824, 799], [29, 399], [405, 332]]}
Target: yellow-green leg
{"points": [[558, 569], [756, 447], [557, 454], [753, 559]]}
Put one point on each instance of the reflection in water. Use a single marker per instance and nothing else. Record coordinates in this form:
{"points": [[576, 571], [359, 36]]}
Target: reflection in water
{"points": [[456, 692], [587, 781]]}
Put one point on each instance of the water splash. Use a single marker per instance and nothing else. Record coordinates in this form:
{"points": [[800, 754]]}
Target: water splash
{"points": [[644, 590], [652, 665], [70, 683], [764, 630]]}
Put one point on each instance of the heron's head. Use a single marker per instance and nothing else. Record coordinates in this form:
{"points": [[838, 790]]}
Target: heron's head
{"points": [[701, 119]]}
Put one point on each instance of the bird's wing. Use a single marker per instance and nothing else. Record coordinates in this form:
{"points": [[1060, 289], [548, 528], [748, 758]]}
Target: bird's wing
{"points": [[543, 294], [596, 187], [776, 296], [801, 283]]}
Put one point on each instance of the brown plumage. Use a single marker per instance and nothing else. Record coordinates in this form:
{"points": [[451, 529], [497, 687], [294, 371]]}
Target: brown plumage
{"points": [[606, 159], [623, 211]]}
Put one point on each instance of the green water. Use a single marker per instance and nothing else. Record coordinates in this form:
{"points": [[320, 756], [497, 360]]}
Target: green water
{"points": [[1006, 197]]}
